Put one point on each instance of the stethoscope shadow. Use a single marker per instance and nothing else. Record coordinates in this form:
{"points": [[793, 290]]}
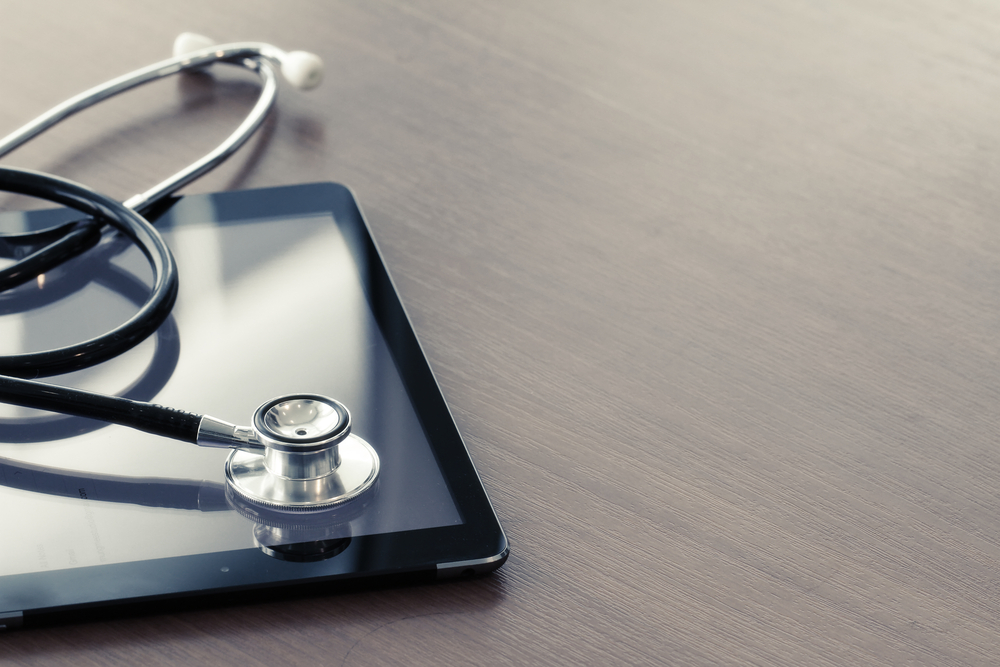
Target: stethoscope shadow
{"points": [[295, 537], [94, 268]]}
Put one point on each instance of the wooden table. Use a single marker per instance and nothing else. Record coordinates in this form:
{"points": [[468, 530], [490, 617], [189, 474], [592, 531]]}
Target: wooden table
{"points": [[713, 289]]}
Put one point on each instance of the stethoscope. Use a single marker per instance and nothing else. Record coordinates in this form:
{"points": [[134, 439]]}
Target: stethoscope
{"points": [[298, 454]]}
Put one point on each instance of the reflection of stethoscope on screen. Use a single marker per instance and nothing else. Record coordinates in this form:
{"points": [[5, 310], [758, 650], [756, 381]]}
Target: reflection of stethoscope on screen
{"points": [[298, 536], [299, 454]]}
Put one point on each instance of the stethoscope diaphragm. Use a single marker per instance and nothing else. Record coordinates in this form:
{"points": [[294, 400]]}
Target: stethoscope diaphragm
{"points": [[310, 461]]}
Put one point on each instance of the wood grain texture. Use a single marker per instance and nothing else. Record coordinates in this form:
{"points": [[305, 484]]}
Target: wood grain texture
{"points": [[712, 289]]}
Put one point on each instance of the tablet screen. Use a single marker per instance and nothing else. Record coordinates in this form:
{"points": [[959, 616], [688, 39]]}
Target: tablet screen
{"points": [[267, 306]]}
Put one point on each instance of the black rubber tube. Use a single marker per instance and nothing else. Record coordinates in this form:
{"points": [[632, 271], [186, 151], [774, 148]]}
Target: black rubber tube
{"points": [[73, 239], [104, 210], [146, 417], [16, 390]]}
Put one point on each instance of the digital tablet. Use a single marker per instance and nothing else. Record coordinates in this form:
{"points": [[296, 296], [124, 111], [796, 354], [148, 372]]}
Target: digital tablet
{"points": [[282, 291]]}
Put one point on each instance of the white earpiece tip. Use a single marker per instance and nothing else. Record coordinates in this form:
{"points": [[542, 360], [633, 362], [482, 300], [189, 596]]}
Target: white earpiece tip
{"points": [[187, 42], [302, 70]]}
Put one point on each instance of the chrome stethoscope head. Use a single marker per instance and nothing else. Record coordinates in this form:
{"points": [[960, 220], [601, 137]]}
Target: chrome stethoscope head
{"points": [[299, 455]]}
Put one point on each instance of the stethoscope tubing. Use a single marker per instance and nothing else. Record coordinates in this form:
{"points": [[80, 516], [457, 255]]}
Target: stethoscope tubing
{"points": [[146, 417], [61, 244], [103, 210], [17, 389], [48, 248]]}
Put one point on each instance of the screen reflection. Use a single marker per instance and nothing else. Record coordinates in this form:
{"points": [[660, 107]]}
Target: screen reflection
{"points": [[304, 537]]}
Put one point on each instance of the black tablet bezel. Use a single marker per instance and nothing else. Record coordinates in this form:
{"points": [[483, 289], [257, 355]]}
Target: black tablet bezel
{"points": [[475, 546]]}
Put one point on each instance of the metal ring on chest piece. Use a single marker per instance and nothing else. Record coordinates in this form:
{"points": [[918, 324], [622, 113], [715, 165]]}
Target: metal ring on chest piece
{"points": [[310, 462]]}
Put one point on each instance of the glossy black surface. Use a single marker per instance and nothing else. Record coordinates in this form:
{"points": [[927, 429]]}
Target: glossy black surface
{"points": [[282, 291]]}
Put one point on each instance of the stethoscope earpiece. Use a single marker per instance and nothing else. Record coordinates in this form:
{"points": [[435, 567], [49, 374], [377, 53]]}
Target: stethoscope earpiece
{"points": [[301, 69]]}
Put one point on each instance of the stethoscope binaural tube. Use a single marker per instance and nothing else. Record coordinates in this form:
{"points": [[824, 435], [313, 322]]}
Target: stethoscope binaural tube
{"points": [[191, 52]]}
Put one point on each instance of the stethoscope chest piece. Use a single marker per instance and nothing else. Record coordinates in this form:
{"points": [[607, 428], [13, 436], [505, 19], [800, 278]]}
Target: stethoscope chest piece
{"points": [[310, 460]]}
